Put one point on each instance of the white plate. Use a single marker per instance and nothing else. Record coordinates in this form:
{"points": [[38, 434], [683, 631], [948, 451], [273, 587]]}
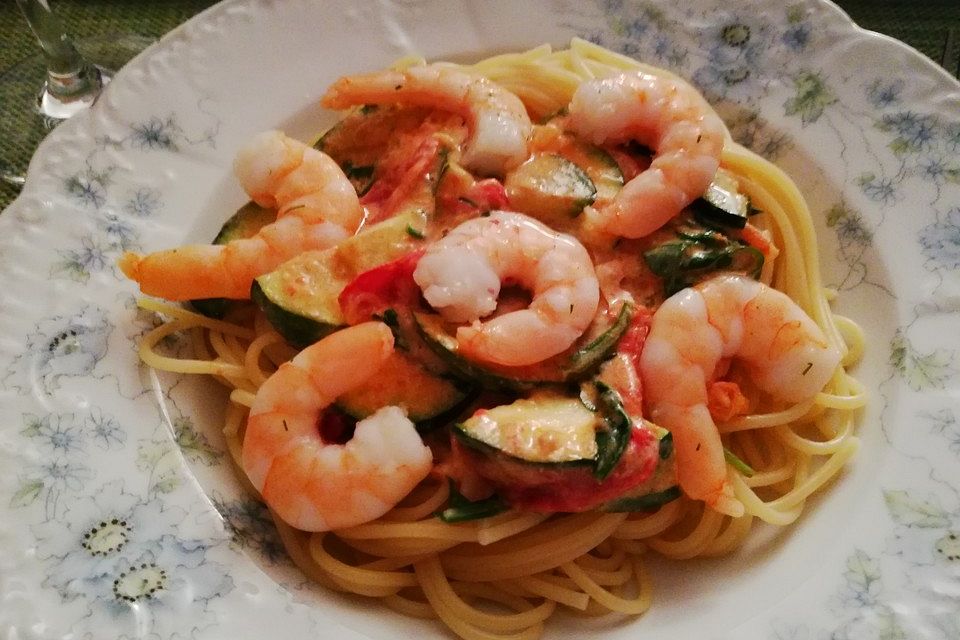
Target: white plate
{"points": [[868, 128]]}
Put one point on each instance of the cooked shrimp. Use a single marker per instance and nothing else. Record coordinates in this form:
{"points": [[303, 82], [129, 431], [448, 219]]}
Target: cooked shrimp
{"points": [[316, 208], [316, 486], [499, 125], [461, 275], [666, 115], [730, 316]]}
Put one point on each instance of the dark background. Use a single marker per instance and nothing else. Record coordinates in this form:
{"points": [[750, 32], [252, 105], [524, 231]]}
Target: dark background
{"points": [[930, 26]]}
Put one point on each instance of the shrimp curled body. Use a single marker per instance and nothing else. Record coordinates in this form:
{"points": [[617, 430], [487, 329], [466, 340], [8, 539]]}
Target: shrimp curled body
{"points": [[499, 125], [730, 316], [666, 115], [461, 276], [316, 208], [317, 486]]}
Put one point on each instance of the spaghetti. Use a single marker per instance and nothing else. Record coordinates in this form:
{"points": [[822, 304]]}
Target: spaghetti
{"points": [[504, 576]]}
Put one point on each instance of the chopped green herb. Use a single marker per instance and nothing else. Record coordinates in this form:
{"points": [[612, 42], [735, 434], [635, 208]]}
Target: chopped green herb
{"points": [[612, 439], [696, 253], [419, 235], [459, 509], [737, 463]]}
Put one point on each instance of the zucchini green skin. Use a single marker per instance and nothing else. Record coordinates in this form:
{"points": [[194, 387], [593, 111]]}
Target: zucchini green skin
{"points": [[722, 205], [574, 364], [550, 187], [359, 139], [300, 298], [658, 490], [245, 223], [571, 485], [403, 382]]}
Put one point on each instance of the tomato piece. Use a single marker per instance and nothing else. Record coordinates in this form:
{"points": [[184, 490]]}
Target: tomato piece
{"points": [[411, 161], [630, 346], [759, 241], [385, 287]]}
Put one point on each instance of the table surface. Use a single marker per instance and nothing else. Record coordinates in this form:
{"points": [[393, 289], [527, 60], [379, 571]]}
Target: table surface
{"points": [[932, 27]]}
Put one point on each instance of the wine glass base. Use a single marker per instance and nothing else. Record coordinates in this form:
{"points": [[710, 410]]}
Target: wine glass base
{"points": [[57, 107], [22, 123]]}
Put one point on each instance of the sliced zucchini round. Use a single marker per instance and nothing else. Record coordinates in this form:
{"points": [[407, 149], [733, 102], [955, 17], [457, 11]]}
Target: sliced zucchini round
{"points": [[575, 363], [722, 204], [300, 298], [245, 223], [361, 137], [600, 167], [549, 187], [543, 430], [551, 453], [403, 382]]}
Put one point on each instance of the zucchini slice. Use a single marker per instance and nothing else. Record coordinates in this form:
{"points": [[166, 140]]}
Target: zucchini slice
{"points": [[543, 430], [245, 223], [573, 364], [360, 138], [555, 186], [549, 187], [600, 167], [299, 298], [551, 453], [403, 382], [722, 204]]}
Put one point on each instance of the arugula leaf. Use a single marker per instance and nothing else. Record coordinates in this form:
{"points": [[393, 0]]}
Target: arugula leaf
{"points": [[613, 438], [460, 509], [696, 253]]}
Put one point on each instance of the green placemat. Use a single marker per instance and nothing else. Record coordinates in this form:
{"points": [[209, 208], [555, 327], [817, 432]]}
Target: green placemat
{"points": [[93, 23], [932, 27]]}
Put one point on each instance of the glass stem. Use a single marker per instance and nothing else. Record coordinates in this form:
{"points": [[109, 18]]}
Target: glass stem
{"points": [[69, 76]]}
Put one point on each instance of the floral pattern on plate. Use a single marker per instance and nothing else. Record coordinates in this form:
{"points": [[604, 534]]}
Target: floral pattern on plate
{"points": [[119, 515]]}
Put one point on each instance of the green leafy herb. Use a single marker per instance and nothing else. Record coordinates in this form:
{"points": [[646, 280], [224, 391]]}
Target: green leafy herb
{"points": [[647, 502], [696, 253], [737, 463], [612, 439], [415, 233], [459, 509]]}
